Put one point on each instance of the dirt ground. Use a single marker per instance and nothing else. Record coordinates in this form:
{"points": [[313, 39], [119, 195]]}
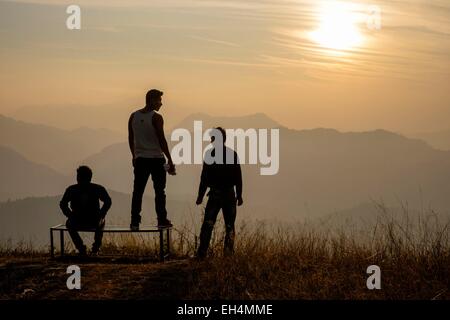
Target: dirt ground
{"points": [[101, 278]]}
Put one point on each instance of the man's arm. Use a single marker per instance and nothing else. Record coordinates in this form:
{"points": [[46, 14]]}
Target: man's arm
{"points": [[158, 123], [64, 204], [106, 199], [203, 184], [238, 179], [131, 135]]}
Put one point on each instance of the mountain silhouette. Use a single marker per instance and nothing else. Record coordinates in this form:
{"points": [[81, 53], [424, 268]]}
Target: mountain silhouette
{"points": [[22, 178], [109, 116], [257, 120], [56, 148], [437, 139], [321, 171]]}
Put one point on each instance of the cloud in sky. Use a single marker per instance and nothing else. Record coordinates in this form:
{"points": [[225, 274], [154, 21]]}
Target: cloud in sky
{"points": [[249, 4], [216, 41], [246, 47], [275, 28]]}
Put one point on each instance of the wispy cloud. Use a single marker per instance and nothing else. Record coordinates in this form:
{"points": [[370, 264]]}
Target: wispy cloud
{"points": [[216, 41], [414, 33], [413, 39], [224, 62], [108, 29], [153, 3], [417, 29]]}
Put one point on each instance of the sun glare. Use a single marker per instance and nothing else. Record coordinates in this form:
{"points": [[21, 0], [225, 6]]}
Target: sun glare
{"points": [[338, 28]]}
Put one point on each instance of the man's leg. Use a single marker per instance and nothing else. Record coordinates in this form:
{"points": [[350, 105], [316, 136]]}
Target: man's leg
{"points": [[72, 227], [211, 211], [229, 217], [98, 236], [141, 173], [159, 185]]}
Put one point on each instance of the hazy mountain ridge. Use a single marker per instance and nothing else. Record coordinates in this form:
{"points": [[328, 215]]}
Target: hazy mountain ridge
{"points": [[111, 116], [22, 178], [321, 171], [73, 116], [56, 148], [256, 120], [438, 139], [345, 168]]}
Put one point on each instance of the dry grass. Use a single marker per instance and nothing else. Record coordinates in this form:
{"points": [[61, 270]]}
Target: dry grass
{"points": [[320, 261], [305, 261]]}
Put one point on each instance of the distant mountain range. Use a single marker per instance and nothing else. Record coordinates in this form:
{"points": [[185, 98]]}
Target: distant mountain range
{"points": [[113, 117], [59, 149], [438, 139], [257, 120], [321, 170], [22, 178]]}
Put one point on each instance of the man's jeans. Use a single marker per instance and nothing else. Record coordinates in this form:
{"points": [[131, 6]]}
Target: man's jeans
{"points": [[143, 168], [218, 199], [74, 225]]}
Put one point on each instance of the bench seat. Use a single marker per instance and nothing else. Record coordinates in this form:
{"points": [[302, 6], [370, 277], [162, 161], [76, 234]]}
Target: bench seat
{"points": [[163, 252]]}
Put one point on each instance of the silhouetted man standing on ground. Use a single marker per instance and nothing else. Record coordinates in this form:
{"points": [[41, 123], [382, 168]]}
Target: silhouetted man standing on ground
{"points": [[84, 211], [148, 146], [221, 173]]}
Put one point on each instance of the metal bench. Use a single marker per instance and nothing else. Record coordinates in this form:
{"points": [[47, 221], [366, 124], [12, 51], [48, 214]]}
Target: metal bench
{"points": [[163, 254]]}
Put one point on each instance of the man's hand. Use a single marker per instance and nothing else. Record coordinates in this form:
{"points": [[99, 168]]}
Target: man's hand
{"points": [[101, 223], [102, 214], [240, 201], [199, 200], [172, 170]]}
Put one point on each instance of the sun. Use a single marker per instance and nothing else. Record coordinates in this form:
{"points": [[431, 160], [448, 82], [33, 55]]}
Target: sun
{"points": [[338, 28]]}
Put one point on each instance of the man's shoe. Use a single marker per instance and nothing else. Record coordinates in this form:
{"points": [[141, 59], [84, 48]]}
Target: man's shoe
{"points": [[164, 223], [95, 250], [135, 221], [82, 252]]}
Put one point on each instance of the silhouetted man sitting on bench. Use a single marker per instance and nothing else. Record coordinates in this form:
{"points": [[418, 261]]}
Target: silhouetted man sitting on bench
{"points": [[84, 211]]}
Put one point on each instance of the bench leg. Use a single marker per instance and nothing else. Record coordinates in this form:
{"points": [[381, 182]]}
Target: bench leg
{"points": [[52, 248], [61, 239], [161, 245], [168, 241]]}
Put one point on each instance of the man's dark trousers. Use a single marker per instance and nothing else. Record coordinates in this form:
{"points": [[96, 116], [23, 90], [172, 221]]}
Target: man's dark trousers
{"points": [[143, 168], [218, 199], [76, 224]]}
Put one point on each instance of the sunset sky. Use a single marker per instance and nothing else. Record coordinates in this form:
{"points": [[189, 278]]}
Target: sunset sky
{"points": [[304, 63]]}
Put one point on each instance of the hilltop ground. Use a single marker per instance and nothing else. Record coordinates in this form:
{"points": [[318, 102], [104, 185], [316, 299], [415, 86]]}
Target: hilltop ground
{"points": [[101, 278], [295, 262], [123, 278]]}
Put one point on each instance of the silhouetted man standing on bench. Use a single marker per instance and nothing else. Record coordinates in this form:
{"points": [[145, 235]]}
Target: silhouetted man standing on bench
{"points": [[148, 146], [84, 211], [222, 174]]}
